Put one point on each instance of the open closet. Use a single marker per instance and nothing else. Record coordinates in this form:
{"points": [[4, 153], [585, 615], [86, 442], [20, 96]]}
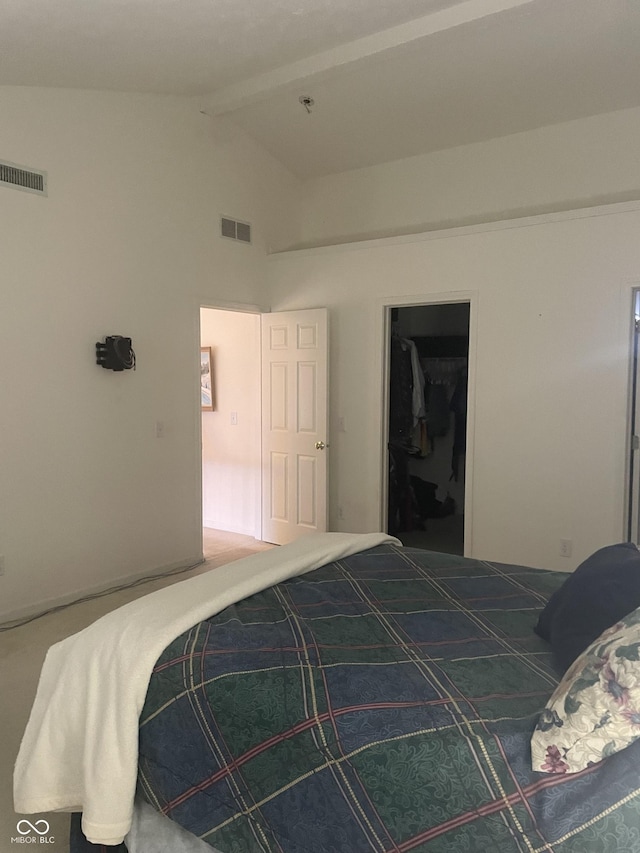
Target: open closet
{"points": [[428, 378]]}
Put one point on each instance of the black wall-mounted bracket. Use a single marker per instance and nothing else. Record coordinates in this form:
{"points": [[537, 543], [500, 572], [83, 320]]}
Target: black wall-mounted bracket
{"points": [[116, 353]]}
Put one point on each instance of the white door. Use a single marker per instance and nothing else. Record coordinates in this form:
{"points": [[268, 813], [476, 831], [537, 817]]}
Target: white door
{"points": [[294, 424]]}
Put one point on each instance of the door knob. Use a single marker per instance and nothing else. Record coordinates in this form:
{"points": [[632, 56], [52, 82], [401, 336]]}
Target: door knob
{"points": [[320, 445]]}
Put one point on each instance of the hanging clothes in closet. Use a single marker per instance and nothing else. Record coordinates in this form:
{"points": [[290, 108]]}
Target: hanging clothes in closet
{"points": [[459, 409], [446, 394], [406, 392], [406, 425]]}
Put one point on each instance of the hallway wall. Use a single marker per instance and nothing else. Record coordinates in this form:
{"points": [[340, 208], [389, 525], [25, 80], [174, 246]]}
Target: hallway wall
{"points": [[231, 451]]}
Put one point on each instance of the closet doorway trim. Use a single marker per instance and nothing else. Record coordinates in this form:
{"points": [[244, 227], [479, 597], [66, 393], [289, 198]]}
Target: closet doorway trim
{"points": [[385, 305]]}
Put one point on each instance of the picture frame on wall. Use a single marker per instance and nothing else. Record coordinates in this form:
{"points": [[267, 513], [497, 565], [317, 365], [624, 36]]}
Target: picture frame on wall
{"points": [[206, 379]]}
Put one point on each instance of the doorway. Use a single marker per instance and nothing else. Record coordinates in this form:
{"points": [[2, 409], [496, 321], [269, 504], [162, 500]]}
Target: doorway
{"points": [[264, 424], [230, 443], [427, 394]]}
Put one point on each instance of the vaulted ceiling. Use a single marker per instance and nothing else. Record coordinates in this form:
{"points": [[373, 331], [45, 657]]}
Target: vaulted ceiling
{"points": [[387, 79]]}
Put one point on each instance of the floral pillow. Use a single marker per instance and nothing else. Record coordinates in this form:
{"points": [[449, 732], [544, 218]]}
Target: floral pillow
{"points": [[595, 710]]}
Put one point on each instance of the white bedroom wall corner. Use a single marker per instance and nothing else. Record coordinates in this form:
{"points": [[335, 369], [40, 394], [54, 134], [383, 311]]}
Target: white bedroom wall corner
{"points": [[121, 245]]}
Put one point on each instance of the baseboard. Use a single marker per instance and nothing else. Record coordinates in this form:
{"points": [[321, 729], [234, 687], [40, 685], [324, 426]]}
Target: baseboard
{"points": [[47, 604]]}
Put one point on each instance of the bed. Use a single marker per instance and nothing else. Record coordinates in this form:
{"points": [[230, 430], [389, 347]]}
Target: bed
{"points": [[383, 702]]}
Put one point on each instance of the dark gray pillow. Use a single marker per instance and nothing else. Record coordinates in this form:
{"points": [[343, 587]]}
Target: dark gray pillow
{"points": [[601, 591]]}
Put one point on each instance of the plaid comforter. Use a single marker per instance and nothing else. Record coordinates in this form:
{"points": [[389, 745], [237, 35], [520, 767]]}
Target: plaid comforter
{"points": [[382, 703]]}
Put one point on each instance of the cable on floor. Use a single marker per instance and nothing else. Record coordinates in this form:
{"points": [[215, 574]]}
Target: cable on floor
{"points": [[18, 623]]}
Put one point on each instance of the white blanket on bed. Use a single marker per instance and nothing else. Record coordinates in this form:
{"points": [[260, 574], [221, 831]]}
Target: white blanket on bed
{"points": [[80, 748]]}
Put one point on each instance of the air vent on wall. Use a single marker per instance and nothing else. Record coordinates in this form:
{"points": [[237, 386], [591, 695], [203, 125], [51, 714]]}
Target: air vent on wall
{"points": [[235, 230], [21, 178]]}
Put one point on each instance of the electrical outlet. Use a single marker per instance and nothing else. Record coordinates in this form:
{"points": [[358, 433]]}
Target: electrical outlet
{"points": [[566, 546], [341, 426], [340, 513], [159, 429], [1, 564], [234, 419]]}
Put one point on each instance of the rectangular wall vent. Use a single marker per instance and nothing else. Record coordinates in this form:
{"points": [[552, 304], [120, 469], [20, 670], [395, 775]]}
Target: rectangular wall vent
{"points": [[235, 230], [21, 178]]}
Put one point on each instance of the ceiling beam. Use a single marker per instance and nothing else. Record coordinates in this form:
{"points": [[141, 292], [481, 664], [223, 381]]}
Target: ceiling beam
{"points": [[321, 65]]}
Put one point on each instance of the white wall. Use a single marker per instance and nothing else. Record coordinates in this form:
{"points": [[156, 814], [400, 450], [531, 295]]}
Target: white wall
{"points": [[125, 243], [231, 452], [551, 313], [575, 164]]}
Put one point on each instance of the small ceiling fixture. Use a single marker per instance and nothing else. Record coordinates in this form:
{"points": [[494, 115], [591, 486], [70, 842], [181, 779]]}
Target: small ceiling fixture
{"points": [[306, 102]]}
